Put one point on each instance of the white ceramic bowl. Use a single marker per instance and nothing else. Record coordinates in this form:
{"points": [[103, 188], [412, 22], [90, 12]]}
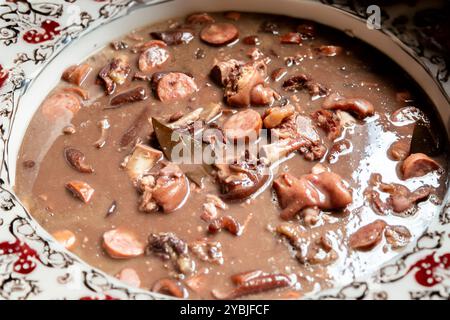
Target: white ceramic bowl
{"points": [[33, 265]]}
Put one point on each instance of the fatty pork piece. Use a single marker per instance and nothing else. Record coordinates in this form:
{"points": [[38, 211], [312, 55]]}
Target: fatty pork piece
{"points": [[164, 187], [295, 132], [243, 83], [325, 190]]}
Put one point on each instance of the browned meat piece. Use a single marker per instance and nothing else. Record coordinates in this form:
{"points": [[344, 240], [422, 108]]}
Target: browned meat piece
{"points": [[199, 18], [400, 200], [77, 74], [165, 187], [330, 51], [168, 246], [240, 79], [397, 236], [140, 129], [66, 238], [316, 90], [122, 244], [219, 34], [207, 250], [130, 96], [326, 191], [417, 165], [174, 86], [130, 277], [240, 180], [261, 283], [81, 190], [114, 73], [359, 107], [142, 160], [399, 150], [274, 117], [329, 122], [225, 222], [153, 57], [221, 72], [296, 83], [76, 159], [243, 126], [171, 287], [175, 36], [291, 38], [368, 236]]}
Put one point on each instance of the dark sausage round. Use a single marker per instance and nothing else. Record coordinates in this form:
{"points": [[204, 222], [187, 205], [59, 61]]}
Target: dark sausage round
{"points": [[243, 125], [175, 86], [219, 34]]}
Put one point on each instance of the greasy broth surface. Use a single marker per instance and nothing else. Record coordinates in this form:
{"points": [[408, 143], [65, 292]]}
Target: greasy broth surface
{"points": [[357, 72]]}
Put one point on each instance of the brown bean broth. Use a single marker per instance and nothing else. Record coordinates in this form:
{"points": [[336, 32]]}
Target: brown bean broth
{"points": [[357, 72]]}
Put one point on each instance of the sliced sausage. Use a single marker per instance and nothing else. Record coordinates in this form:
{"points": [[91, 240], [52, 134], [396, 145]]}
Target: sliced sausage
{"points": [[417, 165], [80, 190], [153, 57], [399, 150], [219, 34], [244, 125], [121, 244], [170, 287], [368, 236], [61, 104], [199, 18], [175, 86], [77, 74], [130, 277], [65, 237]]}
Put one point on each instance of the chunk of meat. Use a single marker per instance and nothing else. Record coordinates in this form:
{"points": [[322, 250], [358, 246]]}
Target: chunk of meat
{"points": [[291, 38], [400, 200], [263, 282], [77, 160], [417, 165], [225, 222], [359, 107], [329, 122], [240, 180], [399, 150], [326, 190], [122, 244], [243, 126], [130, 277], [60, 105], [80, 190], [142, 160], [296, 83], [199, 18], [397, 236], [130, 96], [274, 117], [174, 36], [152, 58], [138, 131], [77, 74], [164, 187], [175, 86], [262, 95], [114, 73], [221, 72], [168, 246], [208, 251], [65, 237], [171, 287], [219, 34], [368, 236]]}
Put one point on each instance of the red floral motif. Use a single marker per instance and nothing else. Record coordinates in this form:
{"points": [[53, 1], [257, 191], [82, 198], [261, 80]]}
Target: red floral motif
{"points": [[49, 31], [425, 274], [26, 256], [3, 75]]}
